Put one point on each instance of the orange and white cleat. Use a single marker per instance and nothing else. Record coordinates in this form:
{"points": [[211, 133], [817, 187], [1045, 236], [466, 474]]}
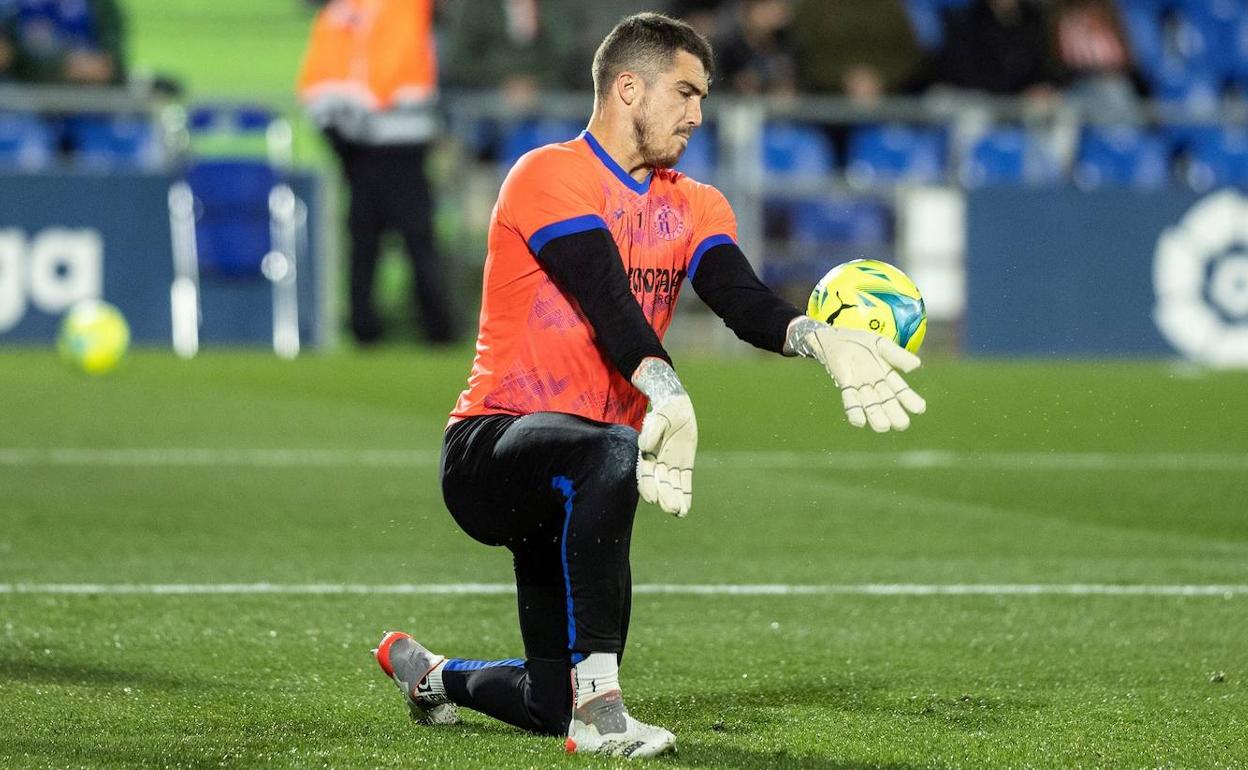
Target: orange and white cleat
{"points": [[409, 664], [603, 726]]}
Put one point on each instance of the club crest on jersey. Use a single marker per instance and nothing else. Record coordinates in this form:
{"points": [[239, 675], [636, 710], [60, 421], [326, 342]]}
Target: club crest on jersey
{"points": [[667, 223]]}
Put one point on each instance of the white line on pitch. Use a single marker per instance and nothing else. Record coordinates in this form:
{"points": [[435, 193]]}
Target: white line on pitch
{"points": [[489, 589], [388, 458]]}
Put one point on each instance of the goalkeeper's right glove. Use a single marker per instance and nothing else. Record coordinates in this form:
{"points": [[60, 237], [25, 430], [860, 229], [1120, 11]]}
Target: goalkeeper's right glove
{"points": [[862, 364], [668, 440]]}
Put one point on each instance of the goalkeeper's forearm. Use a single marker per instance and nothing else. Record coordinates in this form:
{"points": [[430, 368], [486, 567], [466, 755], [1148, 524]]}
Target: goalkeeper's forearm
{"points": [[728, 285]]}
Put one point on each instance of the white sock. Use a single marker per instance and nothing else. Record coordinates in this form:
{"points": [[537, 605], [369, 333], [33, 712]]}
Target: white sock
{"points": [[598, 673], [434, 680]]}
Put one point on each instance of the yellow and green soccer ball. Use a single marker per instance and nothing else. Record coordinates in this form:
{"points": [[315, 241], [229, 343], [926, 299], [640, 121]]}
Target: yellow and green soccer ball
{"points": [[94, 336], [873, 296]]}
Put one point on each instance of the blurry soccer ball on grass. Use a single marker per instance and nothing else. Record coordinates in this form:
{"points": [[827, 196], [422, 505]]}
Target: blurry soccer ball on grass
{"points": [[94, 336], [873, 296]]}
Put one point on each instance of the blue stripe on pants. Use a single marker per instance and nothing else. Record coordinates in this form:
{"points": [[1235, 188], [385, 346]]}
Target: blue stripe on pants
{"points": [[564, 485]]}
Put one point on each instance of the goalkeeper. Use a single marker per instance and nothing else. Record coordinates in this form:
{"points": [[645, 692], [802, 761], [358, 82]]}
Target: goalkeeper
{"points": [[589, 244]]}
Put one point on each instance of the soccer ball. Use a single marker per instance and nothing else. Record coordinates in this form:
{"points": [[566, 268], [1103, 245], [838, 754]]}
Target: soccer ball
{"points": [[874, 296], [94, 336]]}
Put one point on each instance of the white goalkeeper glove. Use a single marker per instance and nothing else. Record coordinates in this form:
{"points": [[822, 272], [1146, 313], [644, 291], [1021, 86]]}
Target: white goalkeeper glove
{"points": [[863, 365], [668, 440]]}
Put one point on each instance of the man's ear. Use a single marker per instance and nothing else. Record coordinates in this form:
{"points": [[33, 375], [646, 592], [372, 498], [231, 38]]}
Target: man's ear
{"points": [[629, 86]]}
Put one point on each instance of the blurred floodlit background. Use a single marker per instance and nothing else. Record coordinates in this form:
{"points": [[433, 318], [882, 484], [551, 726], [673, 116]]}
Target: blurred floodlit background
{"points": [[1039, 168], [1048, 569]]}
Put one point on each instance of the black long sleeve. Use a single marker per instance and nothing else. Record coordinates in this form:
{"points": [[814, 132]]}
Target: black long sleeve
{"points": [[586, 266], [728, 285]]}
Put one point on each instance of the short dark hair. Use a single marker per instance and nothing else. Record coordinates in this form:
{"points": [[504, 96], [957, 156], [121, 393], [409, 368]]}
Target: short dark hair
{"points": [[647, 43]]}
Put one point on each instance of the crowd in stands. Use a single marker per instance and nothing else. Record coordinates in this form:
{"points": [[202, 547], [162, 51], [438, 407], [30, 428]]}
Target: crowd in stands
{"points": [[61, 42], [860, 48], [868, 48], [1110, 61], [79, 43]]}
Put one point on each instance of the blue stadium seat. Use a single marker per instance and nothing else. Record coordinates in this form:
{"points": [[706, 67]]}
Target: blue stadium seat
{"points": [[202, 118], [995, 158], [1239, 53], [841, 221], [1221, 8], [230, 118], [238, 231], [895, 153], [1141, 20], [824, 231], [524, 135], [26, 142], [1201, 34], [1008, 156], [796, 150], [232, 218], [250, 117], [1218, 157], [1193, 88], [1183, 35], [926, 21], [1182, 138], [1121, 156], [479, 135], [114, 142]]}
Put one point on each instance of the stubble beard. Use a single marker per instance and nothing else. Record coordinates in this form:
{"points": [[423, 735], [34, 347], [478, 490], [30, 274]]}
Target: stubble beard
{"points": [[652, 156]]}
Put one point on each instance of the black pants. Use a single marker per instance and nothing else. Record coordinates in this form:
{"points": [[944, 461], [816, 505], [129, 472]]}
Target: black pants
{"points": [[560, 493], [389, 189]]}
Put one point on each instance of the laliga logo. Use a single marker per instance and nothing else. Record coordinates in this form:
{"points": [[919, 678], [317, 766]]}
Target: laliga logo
{"points": [[55, 269], [1200, 274]]}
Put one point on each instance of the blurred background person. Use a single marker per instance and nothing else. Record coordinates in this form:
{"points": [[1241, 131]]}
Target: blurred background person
{"points": [[521, 47], [64, 41], [999, 47], [757, 54], [369, 81], [863, 49], [8, 16], [1094, 58]]}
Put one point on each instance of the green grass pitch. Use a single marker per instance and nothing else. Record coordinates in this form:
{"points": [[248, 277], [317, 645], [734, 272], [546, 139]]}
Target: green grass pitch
{"points": [[322, 471]]}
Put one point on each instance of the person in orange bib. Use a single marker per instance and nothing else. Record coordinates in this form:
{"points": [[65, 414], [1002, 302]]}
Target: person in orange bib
{"points": [[369, 81], [551, 444]]}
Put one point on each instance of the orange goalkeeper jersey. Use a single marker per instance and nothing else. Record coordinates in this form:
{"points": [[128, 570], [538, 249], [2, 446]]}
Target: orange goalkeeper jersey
{"points": [[536, 352]]}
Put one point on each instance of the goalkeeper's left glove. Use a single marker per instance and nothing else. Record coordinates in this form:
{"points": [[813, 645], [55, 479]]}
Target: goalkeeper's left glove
{"points": [[863, 365]]}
